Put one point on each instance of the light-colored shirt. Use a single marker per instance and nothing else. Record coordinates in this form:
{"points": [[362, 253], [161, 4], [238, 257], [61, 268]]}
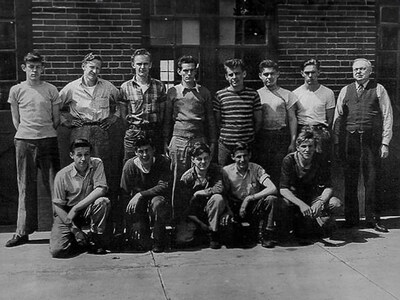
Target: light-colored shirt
{"points": [[35, 107], [91, 107], [275, 106], [70, 187], [312, 106], [240, 186], [384, 105]]}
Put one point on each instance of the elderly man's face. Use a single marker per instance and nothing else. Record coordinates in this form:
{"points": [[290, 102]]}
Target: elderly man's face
{"points": [[91, 70], [361, 71]]}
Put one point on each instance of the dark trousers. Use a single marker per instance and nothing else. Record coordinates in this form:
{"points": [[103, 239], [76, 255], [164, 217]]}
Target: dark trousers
{"points": [[154, 211], [30, 156], [361, 153]]}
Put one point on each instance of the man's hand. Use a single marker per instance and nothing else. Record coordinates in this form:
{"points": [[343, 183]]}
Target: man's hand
{"points": [[70, 216], [107, 122], [166, 149], [317, 208], [242, 211], [384, 151], [131, 207], [76, 123], [200, 193], [225, 219], [305, 210]]}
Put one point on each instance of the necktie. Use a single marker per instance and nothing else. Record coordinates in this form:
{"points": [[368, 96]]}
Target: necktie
{"points": [[360, 90]]}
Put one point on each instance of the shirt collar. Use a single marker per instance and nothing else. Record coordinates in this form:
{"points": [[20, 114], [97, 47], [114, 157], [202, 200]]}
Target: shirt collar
{"points": [[82, 82], [237, 171], [74, 171], [149, 79], [364, 84], [181, 89]]}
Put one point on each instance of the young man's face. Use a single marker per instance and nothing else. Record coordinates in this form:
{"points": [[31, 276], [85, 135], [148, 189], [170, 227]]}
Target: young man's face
{"points": [[145, 154], [241, 159], [235, 77], [33, 70], [81, 158], [306, 149], [142, 65], [361, 71], [310, 74], [202, 161], [91, 70], [188, 73], [269, 77]]}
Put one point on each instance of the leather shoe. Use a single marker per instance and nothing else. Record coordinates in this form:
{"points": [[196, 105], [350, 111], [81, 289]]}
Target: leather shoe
{"points": [[380, 228], [17, 240]]}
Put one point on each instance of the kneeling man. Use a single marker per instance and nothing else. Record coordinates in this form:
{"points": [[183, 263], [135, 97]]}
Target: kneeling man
{"points": [[145, 185], [203, 185], [251, 194], [306, 187], [79, 200]]}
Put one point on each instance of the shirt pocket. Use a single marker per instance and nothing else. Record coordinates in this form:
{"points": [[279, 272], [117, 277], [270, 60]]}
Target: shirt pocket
{"points": [[101, 103]]}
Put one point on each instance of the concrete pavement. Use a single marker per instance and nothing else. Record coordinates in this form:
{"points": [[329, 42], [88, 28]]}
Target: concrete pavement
{"points": [[356, 264]]}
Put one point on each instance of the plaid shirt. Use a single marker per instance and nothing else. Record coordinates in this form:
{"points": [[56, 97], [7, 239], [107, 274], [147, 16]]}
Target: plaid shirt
{"points": [[143, 107]]}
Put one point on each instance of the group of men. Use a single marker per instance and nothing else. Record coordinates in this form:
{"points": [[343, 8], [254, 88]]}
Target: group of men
{"points": [[216, 161]]}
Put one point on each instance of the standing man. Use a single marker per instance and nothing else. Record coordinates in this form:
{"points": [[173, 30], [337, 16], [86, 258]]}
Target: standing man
{"points": [[278, 134], [92, 105], [35, 114], [251, 195], [202, 186], [143, 104], [364, 112], [306, 189], [145, 185], [237, 111], [316, 105], [79, 199]]}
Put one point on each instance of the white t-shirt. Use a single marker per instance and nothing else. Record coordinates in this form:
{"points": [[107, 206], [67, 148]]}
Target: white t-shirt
{"points": [[312, 106]]}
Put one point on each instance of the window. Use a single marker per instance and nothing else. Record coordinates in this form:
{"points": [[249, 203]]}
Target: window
{"points": [[212, 31], [15, 32]]}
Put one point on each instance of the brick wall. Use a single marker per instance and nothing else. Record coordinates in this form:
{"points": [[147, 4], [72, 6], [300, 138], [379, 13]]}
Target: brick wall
{"points": [[64, 31], [333, 31]]}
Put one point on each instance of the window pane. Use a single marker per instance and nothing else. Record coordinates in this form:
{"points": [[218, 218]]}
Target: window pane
{"points": [[226, 7], [7, 9], [254, 32], [190, 32], [162, 32], [389, 38], [227, 32], [250, 7], [7, 35], [161, 7], [7, 66], [187, 7], [387, 65], [390, 14]]}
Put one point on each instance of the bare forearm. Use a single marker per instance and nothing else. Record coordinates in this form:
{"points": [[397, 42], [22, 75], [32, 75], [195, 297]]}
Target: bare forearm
{"points": [[93, 196], [288, 195]]}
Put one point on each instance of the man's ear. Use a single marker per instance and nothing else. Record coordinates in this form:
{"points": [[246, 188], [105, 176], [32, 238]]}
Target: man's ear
{"points": [[244, 74], [71, 154], [23, 67]]}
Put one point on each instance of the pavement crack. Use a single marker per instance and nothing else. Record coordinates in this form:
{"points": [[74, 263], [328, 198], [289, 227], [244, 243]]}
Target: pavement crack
{"points": [[160, 276], [358, 272]]}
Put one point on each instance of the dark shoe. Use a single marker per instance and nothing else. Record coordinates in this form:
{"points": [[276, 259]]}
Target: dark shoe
{"points": [[158, 248], [214, 241], [380, 228], [95, 244], [17, 240], [266, 243], [80, 237]]}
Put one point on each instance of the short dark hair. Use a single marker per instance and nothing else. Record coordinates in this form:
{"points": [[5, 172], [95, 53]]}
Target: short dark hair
{"points": [[241, 146], [138, 52], [310, 62], [79, 143], [268, 63], [142, 140], [307, 133], [198, 149], [33, 56], [234, 63], [187, 59], [91, 56]]}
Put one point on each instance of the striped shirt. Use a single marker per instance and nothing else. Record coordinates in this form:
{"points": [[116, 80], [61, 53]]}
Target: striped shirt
{"points": [[237, 114]]}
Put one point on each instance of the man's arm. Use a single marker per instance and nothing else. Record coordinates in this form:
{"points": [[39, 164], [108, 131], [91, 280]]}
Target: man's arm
{"points": [[56, 115], [317, 206], [329, 116], [15, 114], [387, 116], [257, 120], [292, 120], [167, 125], [304, 208]]}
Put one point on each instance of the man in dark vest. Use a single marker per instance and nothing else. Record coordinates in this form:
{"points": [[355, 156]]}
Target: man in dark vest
{"points": [[362, 133]]}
